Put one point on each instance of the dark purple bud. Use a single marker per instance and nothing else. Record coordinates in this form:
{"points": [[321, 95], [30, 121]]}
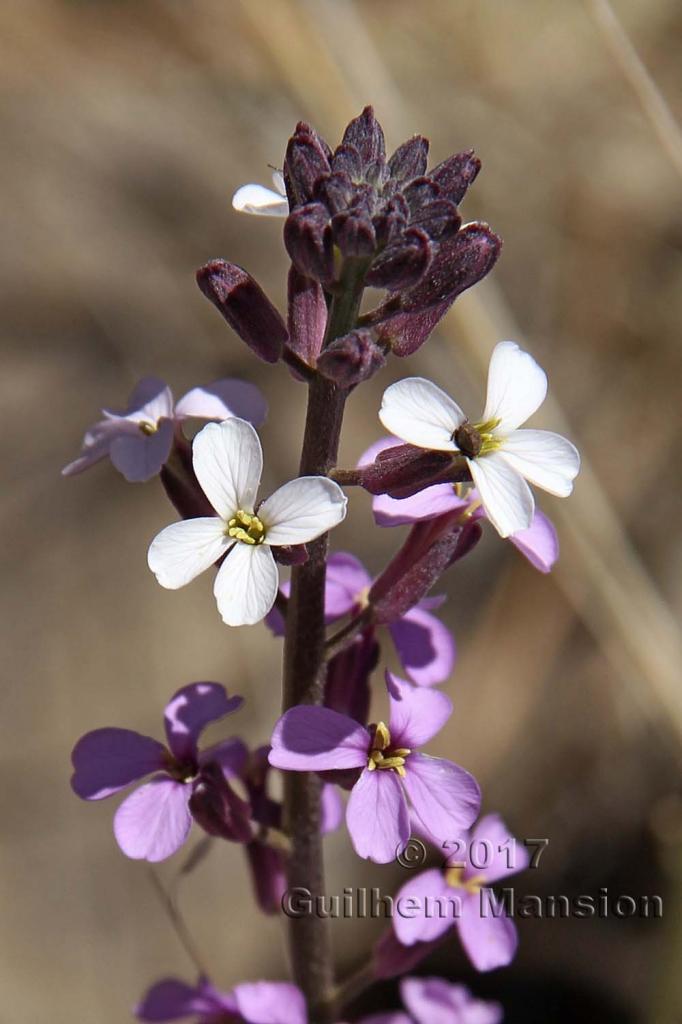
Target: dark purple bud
{"points": [[306, 160], [347, 160], [347, 688], [391, 222], [353, 232], [217, 808], [307, 316], [409, 160], [403, 470], [245, 306], [351, 359], [180, 482], [403, 263], [455, 174], [419, 193], [391, 959], [290, 554], [439, 219], [308, 240], [268, 875], [335, 191], [366, 134]]}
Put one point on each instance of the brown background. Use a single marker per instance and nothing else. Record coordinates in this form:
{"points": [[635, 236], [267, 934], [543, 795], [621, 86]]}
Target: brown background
{"points": [[125, 127]]}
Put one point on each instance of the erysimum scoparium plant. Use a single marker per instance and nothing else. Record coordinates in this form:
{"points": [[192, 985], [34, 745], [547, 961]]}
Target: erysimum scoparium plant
{"points": [[353, 218]]}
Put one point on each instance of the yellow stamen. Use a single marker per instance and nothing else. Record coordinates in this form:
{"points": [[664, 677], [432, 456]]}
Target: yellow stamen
{"points": [[148, 428], [454, 877], [490, 442], [246, 527], [383, 756]]}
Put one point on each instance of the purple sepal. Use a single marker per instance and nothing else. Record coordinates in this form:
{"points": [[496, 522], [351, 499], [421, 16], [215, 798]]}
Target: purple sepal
{"points": [[171, 999], [351, 359], [404, 469], [391, 959], [306, 161], [365, 134], [308, 240], [245, 306], [180, 483], [409, 160], [456, 174], [404, 262], [268, 875], [347, 688], [290, 554], [307, 316], [217, 808]]}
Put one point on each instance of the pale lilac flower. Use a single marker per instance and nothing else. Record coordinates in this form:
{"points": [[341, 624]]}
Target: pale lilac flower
{"points": [[444, 797], [256, 1002], [539, 542], [261, 200], [138, 440], [435, 1001], [228, 461], [155, 820], [500, 457], [489, 939]]}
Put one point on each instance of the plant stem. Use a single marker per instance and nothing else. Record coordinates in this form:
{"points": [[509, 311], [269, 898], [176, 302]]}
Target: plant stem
{"points": [[304, 675]]}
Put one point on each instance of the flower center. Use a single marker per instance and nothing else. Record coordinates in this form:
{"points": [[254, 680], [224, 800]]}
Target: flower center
{"points": [[246, 527], [383, 755], [454, 877], [148, 428], [474, 439]]}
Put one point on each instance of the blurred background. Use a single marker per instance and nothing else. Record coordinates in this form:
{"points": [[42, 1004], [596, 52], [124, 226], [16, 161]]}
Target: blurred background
{"points": [[126, 126]]}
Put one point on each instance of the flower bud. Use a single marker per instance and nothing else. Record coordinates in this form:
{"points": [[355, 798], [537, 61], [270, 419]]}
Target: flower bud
{"points": [[456, 174], [308, 240], [391, 959], [217, 808], [353, 232], [403, 470], [409, 160], [245, 306], [403, 263], [347, 688], [307, 160], [352, 359], [367, 136]]}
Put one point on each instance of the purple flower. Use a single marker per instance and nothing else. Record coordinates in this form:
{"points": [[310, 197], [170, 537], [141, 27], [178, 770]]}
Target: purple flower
{"points": [[139, 440], [489, 938], [444, 797], [424, 645], [154, 821], [539, 543], [435, 1001], [257, 1002]]}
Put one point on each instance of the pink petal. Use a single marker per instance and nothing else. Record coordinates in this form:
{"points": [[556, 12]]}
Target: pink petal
{"points": [[416, 714], [346, 579], [190, 710], [488, 941], [494, 852], [270, 1002], [427, 504], [222, 399], [539, 543], [140, 456], [107, 760], [154, 821], [171, 999], [435, 1001], [370, 454], [377, 817], [150, 396], [425, 647], [445, 797], [309, 738], [231, 755], [431, 913], [331, 809], [97, 442]]}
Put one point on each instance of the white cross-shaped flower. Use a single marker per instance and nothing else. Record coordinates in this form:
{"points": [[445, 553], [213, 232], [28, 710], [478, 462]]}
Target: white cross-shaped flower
{"points": [[228, 461], [500, 457]]}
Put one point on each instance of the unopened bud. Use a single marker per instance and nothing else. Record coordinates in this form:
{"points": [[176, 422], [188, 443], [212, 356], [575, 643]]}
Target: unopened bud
{"points": [[308, 240], [403, 470], [456, 174], [306, 161], [245, 306], [351, 359]]}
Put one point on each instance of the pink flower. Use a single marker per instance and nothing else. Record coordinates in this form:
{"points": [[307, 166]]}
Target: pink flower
{"points": [[256, 1002]]}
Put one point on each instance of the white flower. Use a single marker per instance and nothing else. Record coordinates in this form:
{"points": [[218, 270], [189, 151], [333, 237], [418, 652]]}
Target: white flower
{"points": [[500, 457], [228, 462], [263, 201]]}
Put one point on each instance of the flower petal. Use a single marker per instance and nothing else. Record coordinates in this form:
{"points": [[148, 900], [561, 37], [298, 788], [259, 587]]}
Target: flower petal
{"points": [[97, 442], [140, 456], [425, 647], [377, 817], [190, 710], [516, 387], [435, 1001], [171, 999], [488, 941], [425, 908], [184, 550], [505, 494], [427, 504], [417, 411], [416, 714], [154, 821], [331, 808], [496, 851], [223, 399], [445, 797], [231, 755], [302, 510], [348, 573], [539, 543], [545, 459], [107, 760], [270, 1002], [151, 400], [228, 462], [260, 200], [246, 585], [308, 738]]}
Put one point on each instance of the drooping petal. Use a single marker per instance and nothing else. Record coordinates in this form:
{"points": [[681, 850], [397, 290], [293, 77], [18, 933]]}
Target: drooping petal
{"points": [[505, 494], [416, 714], [308, 738], [516, 387], [270, 1002], [427, 504], [417, 411], [488, 941], [425, 907], [140, 456], [259, 200], [190, 710], [302, 510], [494, 852], [331, 808], [97, 442], [228, 462], [184, 550], [435, 1001], [171, 999], [107, 760], [246, 585], [376, 816], [154, 821], [539, 543], [545, 459], [445, 797], [425, 647], [222, 399]]}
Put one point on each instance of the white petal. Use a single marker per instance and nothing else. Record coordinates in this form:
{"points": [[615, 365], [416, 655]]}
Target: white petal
{"points": [[417, 411], [185, 549], [545, 459], [228, 462], [302, 510], [516, 387], [246, 585], [278, 182], [260, 200], [505, 494]]}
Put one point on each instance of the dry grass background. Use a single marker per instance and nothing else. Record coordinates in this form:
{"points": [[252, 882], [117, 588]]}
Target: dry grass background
{"points": [[125, 127]]}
